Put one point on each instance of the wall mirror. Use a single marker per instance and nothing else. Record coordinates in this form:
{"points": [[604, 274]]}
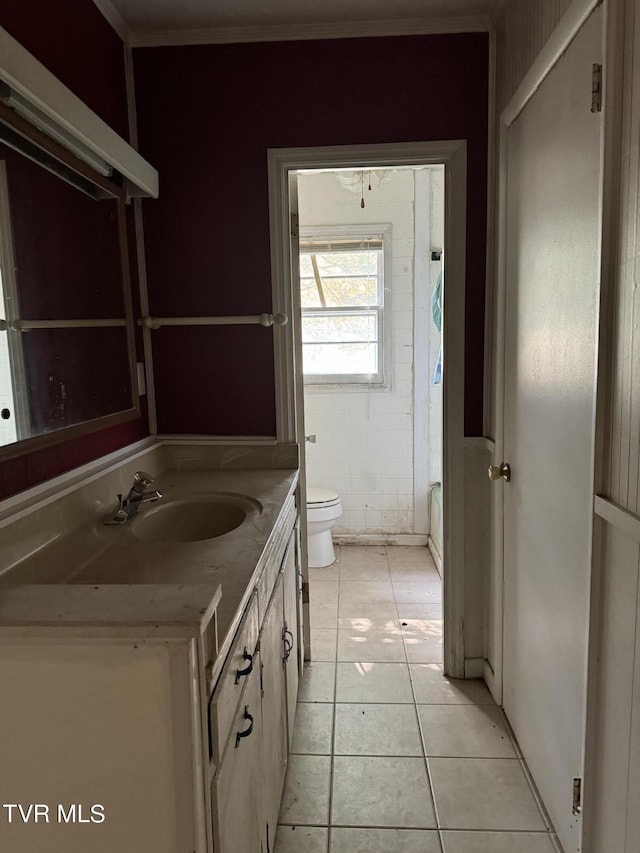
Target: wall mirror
{"points": [[67, 353]]}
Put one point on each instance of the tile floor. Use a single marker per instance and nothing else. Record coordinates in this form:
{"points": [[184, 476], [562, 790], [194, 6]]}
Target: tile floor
{"points": [[388, 755]]}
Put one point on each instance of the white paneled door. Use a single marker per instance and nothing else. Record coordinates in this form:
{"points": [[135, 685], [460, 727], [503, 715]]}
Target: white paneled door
{"points": [[552, 286]]}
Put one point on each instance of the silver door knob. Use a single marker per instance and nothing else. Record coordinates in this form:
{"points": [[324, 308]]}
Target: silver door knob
{"points": [[498, 472]]}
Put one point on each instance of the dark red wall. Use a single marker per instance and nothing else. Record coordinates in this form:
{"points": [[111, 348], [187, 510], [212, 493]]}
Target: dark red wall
{"points": [[74, 41], [207, 115]]}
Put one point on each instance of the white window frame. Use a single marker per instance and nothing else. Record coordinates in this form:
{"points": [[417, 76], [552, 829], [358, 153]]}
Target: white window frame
{"points": [[358, 381]]}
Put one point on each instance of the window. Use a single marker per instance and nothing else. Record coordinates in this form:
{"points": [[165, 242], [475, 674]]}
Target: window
{"points": [[342, 298]]}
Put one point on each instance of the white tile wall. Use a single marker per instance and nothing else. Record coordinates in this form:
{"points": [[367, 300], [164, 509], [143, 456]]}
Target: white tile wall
{"points": [[364, 448]]}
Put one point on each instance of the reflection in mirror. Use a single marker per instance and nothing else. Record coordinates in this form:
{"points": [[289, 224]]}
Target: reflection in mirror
{"points": [[65, 315]]}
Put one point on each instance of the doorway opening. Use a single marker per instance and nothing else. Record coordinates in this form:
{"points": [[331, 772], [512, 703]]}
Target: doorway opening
{"points": [[371, 276], [291, 171]]}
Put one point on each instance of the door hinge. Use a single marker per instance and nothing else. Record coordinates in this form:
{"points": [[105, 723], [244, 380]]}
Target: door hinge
{"points": [[577, 796], [305, 593], [295, 225], [596, 88]]}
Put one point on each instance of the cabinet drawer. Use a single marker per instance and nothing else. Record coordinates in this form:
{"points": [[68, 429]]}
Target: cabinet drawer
{"points": [[228, 691]]}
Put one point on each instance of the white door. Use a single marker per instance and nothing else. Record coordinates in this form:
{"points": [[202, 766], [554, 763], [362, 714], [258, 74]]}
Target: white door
{"points": [[552, 275]]}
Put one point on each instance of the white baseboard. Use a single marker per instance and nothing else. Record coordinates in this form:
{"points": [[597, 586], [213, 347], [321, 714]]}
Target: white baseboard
{"points": [[380, 538], [474, 667], [492, 682], [437, 559]]}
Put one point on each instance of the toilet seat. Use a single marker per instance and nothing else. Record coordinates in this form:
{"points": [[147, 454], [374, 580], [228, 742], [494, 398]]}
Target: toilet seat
{"points": [[320, 498]]}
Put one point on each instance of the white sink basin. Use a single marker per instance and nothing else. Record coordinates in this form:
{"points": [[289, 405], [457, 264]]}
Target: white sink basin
{"points": [[193, 519]]}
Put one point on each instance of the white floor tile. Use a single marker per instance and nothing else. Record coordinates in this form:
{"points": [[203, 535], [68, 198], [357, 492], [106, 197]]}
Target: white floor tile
{"points": [[301, 839], [465, 731], [317, 683], [417, 592], [366, 592], [324, 642], [408, 611], [371, 646], [379, 614], [483, 793], [364, 729], [323, 615], [313, 730], [421, 628], [327, 573], [350, 554], [381, 791], [384, 841], [431, 687], [364, 624], [378, 571], [414, 573], [372, 611], [323, 592], [423, 648], [373, 682], [497, 842], [409, 554], [306, 791]]}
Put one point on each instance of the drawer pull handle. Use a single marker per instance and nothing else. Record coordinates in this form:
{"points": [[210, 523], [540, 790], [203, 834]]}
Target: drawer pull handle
{"points": [[247, 669], [247, 731], [288, 644]]}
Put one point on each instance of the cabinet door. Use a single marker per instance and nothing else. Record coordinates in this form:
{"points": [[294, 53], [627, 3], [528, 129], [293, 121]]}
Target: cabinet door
{"points": [[291, 596], [236, 787], [274, 716]]}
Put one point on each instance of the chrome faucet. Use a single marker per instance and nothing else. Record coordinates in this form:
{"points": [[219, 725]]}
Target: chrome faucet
{"points": [[137, 495]]}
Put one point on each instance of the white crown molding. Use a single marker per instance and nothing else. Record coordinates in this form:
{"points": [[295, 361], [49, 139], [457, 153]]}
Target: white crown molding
{"points": [[113, 16], [306, 32]]}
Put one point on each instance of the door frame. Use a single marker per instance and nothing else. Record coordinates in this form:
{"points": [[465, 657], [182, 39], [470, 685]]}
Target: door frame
{"points": [[568, 27], [289, 398]]}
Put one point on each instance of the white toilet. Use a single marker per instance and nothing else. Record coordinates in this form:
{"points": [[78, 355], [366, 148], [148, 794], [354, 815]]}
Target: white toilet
{"points": [[324, 508]]}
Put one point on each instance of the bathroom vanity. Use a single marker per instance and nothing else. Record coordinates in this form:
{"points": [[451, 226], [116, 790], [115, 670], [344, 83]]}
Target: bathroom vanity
{"points": [[149, 684]]}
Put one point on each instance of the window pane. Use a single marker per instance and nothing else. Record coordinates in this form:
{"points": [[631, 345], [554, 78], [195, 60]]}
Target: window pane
{"points": [[334, 329], [339, 292], [347, 263], [309, 296], [306, 267], [340, 358], [342, 292], [346, 278]]}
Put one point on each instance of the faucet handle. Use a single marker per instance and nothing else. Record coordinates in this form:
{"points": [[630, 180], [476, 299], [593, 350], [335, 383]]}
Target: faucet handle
{"points": [[141, 481]]}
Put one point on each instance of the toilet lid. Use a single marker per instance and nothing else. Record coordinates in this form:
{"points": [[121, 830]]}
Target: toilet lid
{"points": [[322, 496]]}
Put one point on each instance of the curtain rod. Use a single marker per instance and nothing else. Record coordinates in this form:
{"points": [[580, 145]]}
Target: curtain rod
{"points": [[249, 319]]}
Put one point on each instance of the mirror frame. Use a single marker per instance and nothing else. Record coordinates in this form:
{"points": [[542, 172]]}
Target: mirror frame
{"points": [[66, 166]]}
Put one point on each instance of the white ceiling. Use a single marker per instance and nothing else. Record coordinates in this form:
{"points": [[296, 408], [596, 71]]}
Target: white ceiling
{"points": [[184, 21]]}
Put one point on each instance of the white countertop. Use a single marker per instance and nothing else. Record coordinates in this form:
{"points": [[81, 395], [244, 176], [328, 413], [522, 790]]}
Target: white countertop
{"points": [[97, 577]]}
